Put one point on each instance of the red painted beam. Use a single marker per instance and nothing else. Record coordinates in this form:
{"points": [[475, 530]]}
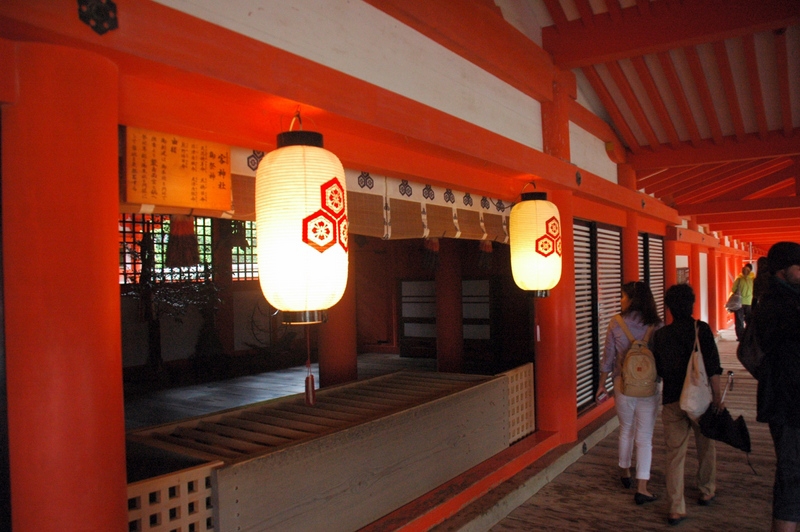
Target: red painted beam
{"points": [[630, 98], [595, 125], [700, 176], [636, 33], [761, 184], [8, 77], [471, 30], [711, 190], [770, 204], [656, 100], [723, 216], [676, 88], [556, 12], [749, 44], [782, 59], [753, 147], [611, 106], [729, 86], [701, 84], [750, 224]]}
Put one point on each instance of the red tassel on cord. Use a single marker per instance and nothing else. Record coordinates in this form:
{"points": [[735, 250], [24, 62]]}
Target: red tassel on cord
{"points": [[311, 397]]}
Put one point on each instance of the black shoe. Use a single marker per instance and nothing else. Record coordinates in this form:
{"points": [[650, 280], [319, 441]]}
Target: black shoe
{"points": [[626, 482], [641, 498], [705, 502], [672, 521]]}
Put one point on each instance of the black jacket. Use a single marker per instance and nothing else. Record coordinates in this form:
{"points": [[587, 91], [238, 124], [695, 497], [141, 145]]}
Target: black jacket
{"points": [[777, 322], [672, 349]]}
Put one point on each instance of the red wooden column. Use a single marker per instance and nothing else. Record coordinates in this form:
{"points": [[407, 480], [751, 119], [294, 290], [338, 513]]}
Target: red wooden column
{"points": [[670, 270], [449, 314], [694, 278], [555, 116], [556, 366], [62, 300], [722, 293], [630, 248], [713, 298], [337, 343]]}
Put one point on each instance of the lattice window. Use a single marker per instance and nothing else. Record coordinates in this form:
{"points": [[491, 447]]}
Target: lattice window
{"points": [[244, 257], [143, 249]]}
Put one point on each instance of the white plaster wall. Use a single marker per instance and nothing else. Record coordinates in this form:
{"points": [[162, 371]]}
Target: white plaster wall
{"points": [[355, 38], [589, 152]]}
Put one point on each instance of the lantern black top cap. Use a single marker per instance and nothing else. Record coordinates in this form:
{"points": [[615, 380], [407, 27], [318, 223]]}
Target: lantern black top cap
{"points": [[527, 196], [299, 138]]}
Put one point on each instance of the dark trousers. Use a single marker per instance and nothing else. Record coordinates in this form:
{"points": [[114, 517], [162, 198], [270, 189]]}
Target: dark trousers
{"points": [[742, 319]]}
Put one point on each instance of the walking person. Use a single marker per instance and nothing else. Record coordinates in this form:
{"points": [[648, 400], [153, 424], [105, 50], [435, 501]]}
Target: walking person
{"points": [[743, 285], [777, 324], [637, 415], [760, 283], [673, 346]]}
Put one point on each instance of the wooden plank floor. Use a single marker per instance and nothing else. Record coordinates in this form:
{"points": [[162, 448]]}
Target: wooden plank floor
{"points": [[588, 494], [165, 406]]}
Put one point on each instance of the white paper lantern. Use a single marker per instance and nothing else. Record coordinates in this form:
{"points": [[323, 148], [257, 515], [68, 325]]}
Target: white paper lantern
{"points": [[534, 231], [301, 223]]}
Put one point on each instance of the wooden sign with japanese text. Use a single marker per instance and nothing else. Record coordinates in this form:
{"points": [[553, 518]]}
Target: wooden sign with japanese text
{"points": [[165, 169]]}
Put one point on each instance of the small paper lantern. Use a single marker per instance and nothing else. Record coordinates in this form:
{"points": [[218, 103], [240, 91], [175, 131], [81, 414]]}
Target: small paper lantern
{"points": [[534, 231], [301, 222]]}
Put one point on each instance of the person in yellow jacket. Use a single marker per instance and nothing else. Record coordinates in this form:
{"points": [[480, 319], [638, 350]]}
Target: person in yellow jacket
{"points": [[743, 285]]}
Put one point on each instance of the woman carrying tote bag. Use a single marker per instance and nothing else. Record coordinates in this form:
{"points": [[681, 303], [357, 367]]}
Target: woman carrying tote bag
{"points": [[673, 347]]}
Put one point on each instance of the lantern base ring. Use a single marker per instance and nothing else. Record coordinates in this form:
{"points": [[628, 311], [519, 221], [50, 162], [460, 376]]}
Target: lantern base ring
{"points": [[539, 293], [304, 317]]}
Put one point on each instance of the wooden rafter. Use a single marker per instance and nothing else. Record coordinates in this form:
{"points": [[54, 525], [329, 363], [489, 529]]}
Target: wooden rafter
{"points": [[767, 204], [781, 57], [611, 106], [753, 147], [668, 67], [628, 95], [697, 178], [778, 190], [711, 190], [746, 216], [614, 10], [734, 173], [755, 186], [639, 32], [655, 99], [749, 43], [665, 174], [589, 121], [729, 86], [585, 10], [556, 12], [701, 83], [758, 224]]}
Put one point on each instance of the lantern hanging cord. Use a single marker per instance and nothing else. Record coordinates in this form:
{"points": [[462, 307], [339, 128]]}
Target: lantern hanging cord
{"points": [[298, 118]]}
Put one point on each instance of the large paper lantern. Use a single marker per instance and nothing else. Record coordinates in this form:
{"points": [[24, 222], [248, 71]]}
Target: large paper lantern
{"points": [[534, 231], [301, 223]]}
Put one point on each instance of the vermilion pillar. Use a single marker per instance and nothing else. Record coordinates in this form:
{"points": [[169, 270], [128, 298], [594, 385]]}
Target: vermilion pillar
{"points": [[62, 301], [556, 366], [555, 116], [694, 278], [630, 249], [670, 270], [337, 345], [449, 314]]}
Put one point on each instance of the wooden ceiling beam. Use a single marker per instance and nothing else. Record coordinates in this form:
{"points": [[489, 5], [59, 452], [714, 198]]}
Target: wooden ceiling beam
{"points": [[585, 10], [782, 59], [698, 178], [630, 98], [701, 84], [754, 79], [656, 100], [668, 67], [471, 30], [711, 190], [638, 32], [611, 106], [778, 190], [753, 147], [766, 204], [595, 125], [668, 174], [754, 186], [721, 217], [556, 13], [729, 86], [757, 224], [614, 10]]}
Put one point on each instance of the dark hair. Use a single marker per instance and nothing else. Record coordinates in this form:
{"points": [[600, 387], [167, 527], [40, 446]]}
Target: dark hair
{"points": [[680, 301], [642, 301], [748, 265]]}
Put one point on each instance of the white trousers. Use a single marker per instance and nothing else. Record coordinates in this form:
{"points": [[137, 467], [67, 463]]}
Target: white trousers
{"points": [[637, 419]]}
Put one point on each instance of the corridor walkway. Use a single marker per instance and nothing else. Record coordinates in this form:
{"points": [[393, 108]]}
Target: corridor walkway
{"points": [[588, 496]]}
